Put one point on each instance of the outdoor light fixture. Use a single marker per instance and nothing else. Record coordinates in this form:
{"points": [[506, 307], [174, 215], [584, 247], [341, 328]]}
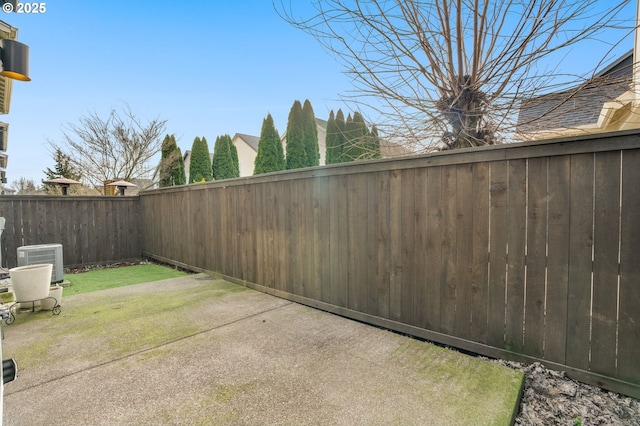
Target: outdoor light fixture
{"points": [[122, 185], [15, 60], [63, 182]]}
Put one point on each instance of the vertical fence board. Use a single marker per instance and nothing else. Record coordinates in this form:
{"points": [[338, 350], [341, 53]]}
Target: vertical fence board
{"points": [[313, 216], [72, 224], [296, 254], [264, 239], [342, 290], [305, 234], [464, 249], [629, 322], [204, 235], [249, 227], [10, 236], [559, 203], [395, 239], [266, 255], [292, 284], [605, 265], [580, 264], [516, 240], [497, 253], [420, 296], [536, 257], [335, 275], [373, 232], [480, 253], [449, 262], [281, 245], [217, 229], [408, 226], [184, 234], [383, 260], [433, 261], [321, 221], [357, 219]]}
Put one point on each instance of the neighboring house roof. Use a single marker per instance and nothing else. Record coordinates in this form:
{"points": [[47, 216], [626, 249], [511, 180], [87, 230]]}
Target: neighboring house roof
{"points": [[252, 141], [390, 149], [579, 108], [247, 149]]}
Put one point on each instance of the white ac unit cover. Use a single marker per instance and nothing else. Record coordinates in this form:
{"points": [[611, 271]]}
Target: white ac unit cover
{"points": [[43, 253]]}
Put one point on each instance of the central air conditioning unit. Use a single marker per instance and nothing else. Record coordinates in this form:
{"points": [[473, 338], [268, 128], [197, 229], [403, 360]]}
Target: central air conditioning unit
{"points": [[43, 253]]}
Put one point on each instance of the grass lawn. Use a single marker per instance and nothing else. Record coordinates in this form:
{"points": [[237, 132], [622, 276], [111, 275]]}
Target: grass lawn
{"points": [[102, 279]]}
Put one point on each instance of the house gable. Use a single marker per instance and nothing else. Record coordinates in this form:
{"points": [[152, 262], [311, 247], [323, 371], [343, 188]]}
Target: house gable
{"points": [[579, 109], [247, 147]]}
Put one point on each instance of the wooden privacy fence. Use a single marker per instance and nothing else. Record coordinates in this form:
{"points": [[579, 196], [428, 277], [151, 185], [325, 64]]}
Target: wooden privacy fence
{"points": [[92, 230], [526, 251]]}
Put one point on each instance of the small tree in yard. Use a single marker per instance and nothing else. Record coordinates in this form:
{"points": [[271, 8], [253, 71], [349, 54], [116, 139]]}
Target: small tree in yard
{"points": [[171, 163], [270, 156], [296, 150], [200, 165], [225, 159]]}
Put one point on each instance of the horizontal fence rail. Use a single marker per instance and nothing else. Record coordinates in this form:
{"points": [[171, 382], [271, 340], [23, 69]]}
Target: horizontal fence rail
{"points": [[92, 230], [526, 251]]}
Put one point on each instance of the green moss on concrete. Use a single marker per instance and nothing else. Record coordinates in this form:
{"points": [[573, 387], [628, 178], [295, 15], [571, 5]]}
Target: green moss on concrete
{"points": [[458, 377], [224, 394], [122, 324]]}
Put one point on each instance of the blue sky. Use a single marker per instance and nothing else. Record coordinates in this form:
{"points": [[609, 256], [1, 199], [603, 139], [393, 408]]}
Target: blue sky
{"points": [[208, 67]]}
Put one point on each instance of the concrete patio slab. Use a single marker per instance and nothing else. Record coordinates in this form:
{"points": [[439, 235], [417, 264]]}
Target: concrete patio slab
{"points": [[197, 350]]}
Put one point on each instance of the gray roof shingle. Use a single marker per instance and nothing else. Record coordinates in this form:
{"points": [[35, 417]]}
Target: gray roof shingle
{"points": [[580, 105]]}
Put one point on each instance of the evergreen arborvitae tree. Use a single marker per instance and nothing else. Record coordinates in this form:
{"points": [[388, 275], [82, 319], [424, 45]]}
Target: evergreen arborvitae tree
{"points": [[374, 149], [356, 138], [224, 165], [360, 136], [349, 132], [341, 139], [332, 141], [200, 165], [270, 156], [171, 163], [296, 151], [179, 177], [310, 134], [234, 157]]}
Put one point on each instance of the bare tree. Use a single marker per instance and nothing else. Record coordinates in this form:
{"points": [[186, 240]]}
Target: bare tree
{"points": [[118, 147], [451, 73], [24, 186]]}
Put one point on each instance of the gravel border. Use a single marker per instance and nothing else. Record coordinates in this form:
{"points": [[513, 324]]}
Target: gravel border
{"points": [[550, 397]]}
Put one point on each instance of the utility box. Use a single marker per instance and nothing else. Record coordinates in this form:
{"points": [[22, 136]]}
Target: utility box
{"points": [[43, 253]]}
